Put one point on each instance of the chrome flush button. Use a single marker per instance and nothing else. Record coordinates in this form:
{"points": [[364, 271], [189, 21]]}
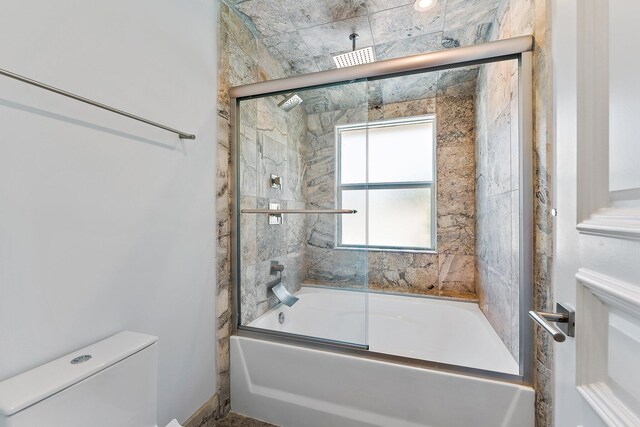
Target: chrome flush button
{"points": [[81, 359]]}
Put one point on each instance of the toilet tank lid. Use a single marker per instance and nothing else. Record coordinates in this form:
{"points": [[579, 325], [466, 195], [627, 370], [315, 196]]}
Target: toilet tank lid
{"points": [[23, 390]]}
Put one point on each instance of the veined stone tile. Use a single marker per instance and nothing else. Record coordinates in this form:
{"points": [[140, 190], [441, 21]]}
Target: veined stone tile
{"points": [[301, 66], [466, 36], [296, 229], [463, 13], [499, 154], [408, 88], [268, 16], [271, 239], [456, 196], [456, 234], [404, 22], [499, 235], [248, 231], [458, 82], [378, 5], [324, 62], [240, 34], [350, 96], [309, 13], [297, 130], [404, 272], [272, 121], [287, 47], [416, 107], [320, 123], [333, 38], [457, 273], [293, 186], [270, 67], [409, 46], [374, 93], [294, 272], [456, 163], [337, 268], [272, 159], [522, 17], [248, 297], [248, 161], [249, 113], [455, 121], [321, 230], [316, 101], [242, 65], [350, 116]]}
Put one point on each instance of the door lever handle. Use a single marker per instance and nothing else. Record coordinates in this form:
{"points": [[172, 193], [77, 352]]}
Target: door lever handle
{"points": [[564, 317]]}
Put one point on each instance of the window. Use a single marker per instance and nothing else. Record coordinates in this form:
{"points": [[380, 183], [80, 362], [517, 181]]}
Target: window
{"points": [[399, 192]]}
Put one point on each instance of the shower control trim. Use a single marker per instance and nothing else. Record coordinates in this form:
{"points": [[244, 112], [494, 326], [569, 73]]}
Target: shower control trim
{"points": [[275, 218], [276, 182]]}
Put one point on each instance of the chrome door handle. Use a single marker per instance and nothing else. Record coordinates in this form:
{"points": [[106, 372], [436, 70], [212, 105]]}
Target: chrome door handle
{"points": [[564, 316]]}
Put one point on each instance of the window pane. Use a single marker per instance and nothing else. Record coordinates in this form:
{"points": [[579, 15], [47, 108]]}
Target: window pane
{"points": [[353, 156], [401, 153], [354, 230], [400, 217]]}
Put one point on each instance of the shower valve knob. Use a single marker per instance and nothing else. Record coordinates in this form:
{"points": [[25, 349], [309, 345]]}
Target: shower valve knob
{"points": [[276, 181]]}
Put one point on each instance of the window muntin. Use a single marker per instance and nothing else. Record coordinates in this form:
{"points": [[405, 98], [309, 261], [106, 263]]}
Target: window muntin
{"points": [[400, 191]]}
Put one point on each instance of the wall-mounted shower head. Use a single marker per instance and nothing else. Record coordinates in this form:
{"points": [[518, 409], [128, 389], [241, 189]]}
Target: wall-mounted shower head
{"points": [[290, 102], [356, 56]]}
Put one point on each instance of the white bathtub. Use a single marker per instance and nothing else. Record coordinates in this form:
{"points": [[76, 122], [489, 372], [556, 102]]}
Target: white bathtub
{"points": [[438, 330], [294, 386]]}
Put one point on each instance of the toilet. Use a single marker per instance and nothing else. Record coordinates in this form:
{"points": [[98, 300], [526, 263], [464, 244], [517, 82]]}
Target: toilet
{"points": [[110, 383]]}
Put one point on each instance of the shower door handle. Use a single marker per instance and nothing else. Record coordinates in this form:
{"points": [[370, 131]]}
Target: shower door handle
{"points": [[565, 317]]}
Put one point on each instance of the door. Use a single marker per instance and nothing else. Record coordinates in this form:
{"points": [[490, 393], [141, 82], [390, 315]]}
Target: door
{"points": [[597, 197]]}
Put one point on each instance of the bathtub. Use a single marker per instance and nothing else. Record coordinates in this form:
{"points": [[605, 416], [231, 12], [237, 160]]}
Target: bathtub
{"points": [[295, 386], [439, 330]]}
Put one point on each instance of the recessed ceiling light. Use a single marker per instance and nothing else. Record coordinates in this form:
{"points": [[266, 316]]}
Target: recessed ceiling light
{"points": [[423, 5]]}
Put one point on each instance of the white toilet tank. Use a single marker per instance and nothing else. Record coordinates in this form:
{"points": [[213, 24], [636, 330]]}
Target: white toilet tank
{"points": [[109, 383]]}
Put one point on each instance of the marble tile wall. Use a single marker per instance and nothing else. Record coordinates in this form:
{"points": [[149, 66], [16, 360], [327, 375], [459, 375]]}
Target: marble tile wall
{"points": [[497, 199], [271, 141], [450, 271], [516, 18]]}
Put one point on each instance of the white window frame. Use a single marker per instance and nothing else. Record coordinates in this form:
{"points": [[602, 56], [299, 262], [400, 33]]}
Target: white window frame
{"points": [[429, 118]]}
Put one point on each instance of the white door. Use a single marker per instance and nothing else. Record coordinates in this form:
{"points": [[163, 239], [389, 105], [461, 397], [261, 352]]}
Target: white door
{"points": [[596, 73]]}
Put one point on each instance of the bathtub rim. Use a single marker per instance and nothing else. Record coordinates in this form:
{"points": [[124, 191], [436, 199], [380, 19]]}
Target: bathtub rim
{"points": [[321, 344]]}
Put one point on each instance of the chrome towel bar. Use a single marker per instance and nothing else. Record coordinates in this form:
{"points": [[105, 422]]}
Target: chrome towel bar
{"points": [[299, 211], [181, 135]]}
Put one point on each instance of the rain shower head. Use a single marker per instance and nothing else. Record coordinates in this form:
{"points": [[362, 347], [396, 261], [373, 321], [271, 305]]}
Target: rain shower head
{"points": [[356, 56], [290, 102]]}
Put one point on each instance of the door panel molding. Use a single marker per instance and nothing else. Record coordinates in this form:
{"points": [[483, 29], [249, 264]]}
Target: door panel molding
{"points": [[608, 325], [613, 222], [596, 215]]}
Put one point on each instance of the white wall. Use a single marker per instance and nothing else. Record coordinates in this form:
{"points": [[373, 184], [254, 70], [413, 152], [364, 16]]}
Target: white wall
{"points": [[107, 224]]}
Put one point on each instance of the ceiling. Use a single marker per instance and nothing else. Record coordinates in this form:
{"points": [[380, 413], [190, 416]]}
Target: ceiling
{"points": [[303, 35]]}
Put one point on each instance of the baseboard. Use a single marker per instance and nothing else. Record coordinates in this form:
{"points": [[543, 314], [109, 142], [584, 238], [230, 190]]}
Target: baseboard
{"points": [[207, 415]]}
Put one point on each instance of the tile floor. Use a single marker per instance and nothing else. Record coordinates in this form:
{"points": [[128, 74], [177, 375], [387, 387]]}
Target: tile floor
{"points": [[235, 420]]}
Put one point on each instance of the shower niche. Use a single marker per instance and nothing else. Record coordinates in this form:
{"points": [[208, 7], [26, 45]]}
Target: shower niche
{"points": [[385, 215]]}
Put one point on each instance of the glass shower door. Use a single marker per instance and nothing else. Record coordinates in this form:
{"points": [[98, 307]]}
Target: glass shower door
{"points": [[294, 275]]}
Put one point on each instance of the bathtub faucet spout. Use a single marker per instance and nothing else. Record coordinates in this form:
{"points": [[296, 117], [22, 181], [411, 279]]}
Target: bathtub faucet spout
{"points": [[278, 288]]}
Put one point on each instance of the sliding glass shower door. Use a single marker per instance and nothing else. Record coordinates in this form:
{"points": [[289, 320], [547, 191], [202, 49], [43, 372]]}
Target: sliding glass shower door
{"points": [[295, 277]]}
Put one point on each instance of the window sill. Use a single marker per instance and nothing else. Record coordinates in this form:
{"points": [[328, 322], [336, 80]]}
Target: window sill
{"points": [[395, 250]]}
